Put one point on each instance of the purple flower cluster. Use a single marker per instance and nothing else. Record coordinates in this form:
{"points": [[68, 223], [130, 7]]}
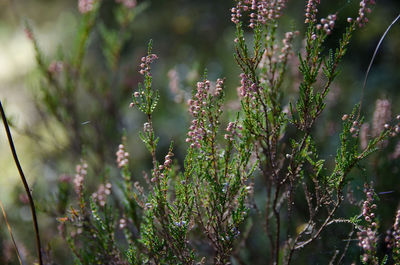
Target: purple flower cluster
{"points": [[56, 67], [128, 3], [85, 6], [382, 115], [219, 86], [64, 178], [367, 237], [396, 151], [167, 163], [261, 11], [122, 156], [196, 133], [197, 107], [287, 45], [364, 135], [200, 97], [393, 236], [369, 207], [396, 232], [397, 127], [247, 87], [355, 129], [147, 127], [168, 160], [28, 33], [173, 77], [81, 172], [196, 130], [101, 194], [145, 64], [393, 128], [233, 129], [160, 172], [311, 11], [364, 9], [327, 24]]}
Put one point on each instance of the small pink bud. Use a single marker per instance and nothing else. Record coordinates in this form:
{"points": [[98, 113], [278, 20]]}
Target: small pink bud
{"points": [[28, 34]]}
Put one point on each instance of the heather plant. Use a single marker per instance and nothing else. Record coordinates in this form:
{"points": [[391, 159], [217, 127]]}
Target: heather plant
{"points": [[293, 166], [67, 80], [258, 168]]}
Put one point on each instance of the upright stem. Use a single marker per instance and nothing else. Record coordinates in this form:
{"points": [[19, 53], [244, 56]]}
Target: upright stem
{"points": [[26, 186], [278, 224]]}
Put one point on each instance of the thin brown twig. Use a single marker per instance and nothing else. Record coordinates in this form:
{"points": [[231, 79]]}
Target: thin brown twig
{"points": [[10, 231], [372, 61], [26, 186]]}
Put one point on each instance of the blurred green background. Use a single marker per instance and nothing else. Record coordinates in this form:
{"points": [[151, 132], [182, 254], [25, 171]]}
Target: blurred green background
{"points": [[188, 36]]}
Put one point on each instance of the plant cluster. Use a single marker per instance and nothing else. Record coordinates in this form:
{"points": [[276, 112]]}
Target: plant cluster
{"points": [[67, 81], [261, 164]]}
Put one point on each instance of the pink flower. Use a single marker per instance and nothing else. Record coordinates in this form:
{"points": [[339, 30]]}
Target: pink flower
{"points": [[122, 156], [145, 65], [81, 172], [101, 195], [56, 67], [28, 33], [85, 6], [127, 3]]}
